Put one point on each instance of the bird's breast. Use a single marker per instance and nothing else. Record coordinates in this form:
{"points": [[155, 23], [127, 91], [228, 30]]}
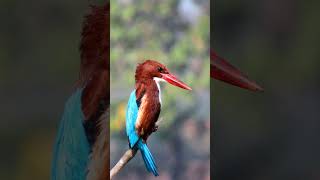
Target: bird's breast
{"points": [[148, 115]]}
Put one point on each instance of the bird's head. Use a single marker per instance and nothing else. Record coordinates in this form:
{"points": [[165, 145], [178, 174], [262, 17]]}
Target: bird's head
{"points": [[222, 70], [153, 70]]}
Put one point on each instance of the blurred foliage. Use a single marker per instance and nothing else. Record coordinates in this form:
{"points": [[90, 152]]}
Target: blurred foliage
{"points": [[142, 30]]}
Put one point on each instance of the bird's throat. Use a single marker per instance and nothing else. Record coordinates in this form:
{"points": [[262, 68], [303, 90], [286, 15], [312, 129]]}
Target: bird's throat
{"points": [[157, 81]]}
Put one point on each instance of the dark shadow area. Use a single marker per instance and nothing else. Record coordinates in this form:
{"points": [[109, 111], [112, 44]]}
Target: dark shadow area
{"points": [[275, 134], [39, 65]]}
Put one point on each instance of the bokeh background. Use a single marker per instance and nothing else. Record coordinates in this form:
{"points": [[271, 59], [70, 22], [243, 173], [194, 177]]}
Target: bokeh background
{"points": [[275, 134], [39, 64], [176, 33]]}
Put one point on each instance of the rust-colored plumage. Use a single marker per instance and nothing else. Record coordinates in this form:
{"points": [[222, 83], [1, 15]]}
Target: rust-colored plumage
{"points": [[150, 108], [147, 96], [94, 78], [94, 70]]}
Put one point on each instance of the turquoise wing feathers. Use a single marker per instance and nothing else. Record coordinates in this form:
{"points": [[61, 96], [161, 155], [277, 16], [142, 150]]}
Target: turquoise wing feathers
{"points": [[72, 148], [131, 118], [134, 140]]}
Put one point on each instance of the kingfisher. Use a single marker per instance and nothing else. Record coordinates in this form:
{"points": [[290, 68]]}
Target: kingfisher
{"points": [[81, 149], [222, 70], [144, 107]]}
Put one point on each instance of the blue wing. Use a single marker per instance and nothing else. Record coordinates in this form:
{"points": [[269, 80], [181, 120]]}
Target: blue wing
{"points": [[72, 147], [131, 118]]}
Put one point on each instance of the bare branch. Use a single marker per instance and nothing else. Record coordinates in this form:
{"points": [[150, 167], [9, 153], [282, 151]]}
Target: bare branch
{"points": [[126, 157]]}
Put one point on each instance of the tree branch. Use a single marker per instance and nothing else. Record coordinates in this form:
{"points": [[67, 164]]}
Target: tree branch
{"points": [[126, 157]]}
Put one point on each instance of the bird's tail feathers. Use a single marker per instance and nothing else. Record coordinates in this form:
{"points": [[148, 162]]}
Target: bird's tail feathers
{"points": [[147, 158]]}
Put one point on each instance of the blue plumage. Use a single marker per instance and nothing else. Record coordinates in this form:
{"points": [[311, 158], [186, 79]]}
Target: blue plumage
{"points": [[131, 118], [147, 157], [71, 147], [134, 140]]}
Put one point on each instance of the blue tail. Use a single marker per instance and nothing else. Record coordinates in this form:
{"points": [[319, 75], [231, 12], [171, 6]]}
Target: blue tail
{"points": [[147, 158]]}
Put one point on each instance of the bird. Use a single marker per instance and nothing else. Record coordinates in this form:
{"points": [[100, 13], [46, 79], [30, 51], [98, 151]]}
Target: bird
{"points": [[222, 70], [81, 149], [144, 106]]}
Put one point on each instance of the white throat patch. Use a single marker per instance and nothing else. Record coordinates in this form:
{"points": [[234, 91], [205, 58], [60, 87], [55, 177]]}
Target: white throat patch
{"points": [[158, 80]]}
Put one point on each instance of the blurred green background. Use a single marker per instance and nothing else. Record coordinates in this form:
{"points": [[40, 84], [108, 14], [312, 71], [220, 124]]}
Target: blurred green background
{"points": [[275, 134], [39, 64], [176, 33]]}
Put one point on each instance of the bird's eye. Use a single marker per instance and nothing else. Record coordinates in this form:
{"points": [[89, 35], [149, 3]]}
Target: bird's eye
{"points": [[160, 69]]}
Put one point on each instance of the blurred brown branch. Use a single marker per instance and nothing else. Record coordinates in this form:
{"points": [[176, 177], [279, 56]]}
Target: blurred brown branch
{"points": [[126, 157]]}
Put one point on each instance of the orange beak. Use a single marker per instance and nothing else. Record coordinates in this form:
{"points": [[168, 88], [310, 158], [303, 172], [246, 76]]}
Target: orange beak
{"points": [[220, 69]]}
